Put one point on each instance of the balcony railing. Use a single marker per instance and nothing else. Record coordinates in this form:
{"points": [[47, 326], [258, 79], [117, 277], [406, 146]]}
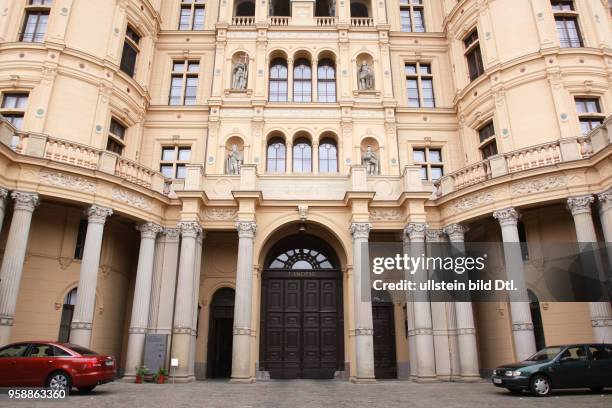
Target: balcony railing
{"points": [[243, 21], [279, 20], [80, 155], [532, 157], [326, 21], [362, 22]]}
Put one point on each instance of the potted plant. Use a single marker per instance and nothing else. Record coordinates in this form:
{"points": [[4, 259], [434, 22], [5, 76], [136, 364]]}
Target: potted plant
{"points": [[160, 376], [141, 371]]}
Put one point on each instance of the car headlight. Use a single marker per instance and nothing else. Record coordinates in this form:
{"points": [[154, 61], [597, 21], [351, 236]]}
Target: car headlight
{"points": [[516, 373]]}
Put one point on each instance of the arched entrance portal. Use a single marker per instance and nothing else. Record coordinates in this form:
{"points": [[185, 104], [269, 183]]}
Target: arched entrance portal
{"points": [[220, 334], [301, 310]]}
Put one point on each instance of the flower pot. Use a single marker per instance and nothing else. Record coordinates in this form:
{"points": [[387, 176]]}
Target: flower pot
{"points": [[161, 379], [138, 379]]}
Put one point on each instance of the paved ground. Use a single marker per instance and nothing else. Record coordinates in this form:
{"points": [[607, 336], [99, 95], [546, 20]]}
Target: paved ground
{"points": [[314, 394]]}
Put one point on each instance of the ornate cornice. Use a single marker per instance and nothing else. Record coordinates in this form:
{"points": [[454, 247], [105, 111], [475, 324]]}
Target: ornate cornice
{"points": [[580, 205], [97, 214], [25, 201], [456, 232], [149, 230], [507, 216], [189, 229], [360, 230], [246, 229], [415, 231], [605, 200]]}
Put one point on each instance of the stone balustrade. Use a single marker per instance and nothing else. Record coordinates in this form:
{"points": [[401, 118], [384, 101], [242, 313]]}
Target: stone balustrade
{"points": [[326, 21], [243, 21], [362, 22], [279, 20]]}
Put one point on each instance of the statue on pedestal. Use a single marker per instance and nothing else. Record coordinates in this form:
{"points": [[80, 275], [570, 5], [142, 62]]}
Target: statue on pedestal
{"points": [[365, 77], [239, 76], [370, 161], [234, 161]]}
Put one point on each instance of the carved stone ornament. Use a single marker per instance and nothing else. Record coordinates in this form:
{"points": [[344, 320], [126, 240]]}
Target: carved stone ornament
{"points": [[580, 205], [131, 199], [190, 229], [506, 216], [68, 182], [472, 201], [220, 214], [98, 214], [149, 230], [456, 232], [3, 194], [370, 161], [391, 214], [25, 201], [172, 234], [537, 185], [246, 229], [605, 197], [434, 235], [303, 211], [365, 77], [360, 230], [415, 231]]}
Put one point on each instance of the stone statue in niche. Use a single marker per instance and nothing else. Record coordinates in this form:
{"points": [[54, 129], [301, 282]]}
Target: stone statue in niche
{"points": [[332, 8], [370, 161], [365, 77], [239, 76], [234, 161]]}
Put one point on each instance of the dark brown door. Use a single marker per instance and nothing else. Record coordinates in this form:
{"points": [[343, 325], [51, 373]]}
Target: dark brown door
{"points": [[385, 359], [220, 338], [302, 324]]}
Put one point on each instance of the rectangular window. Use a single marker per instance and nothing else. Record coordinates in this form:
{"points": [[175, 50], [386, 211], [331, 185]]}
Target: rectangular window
{"points": [[411, 16], [13, 108], [80, 241], [116, 137], [473, 55], [419, 85], [566, 20], [184, 82], [589, 114], [174, 160], [35, 26], [430, 160], [488, 144], [192, 15], [130, 51]]}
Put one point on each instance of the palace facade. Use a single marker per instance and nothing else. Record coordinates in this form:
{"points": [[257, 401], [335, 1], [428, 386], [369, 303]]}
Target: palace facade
{"points": [[210, 170]]}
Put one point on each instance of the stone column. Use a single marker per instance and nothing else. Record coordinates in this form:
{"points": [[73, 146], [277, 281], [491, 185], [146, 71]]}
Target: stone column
{"points": [[82, 319], [522, 326], [364, 327], [423, 328], [605, 213], [12, 262], [241, 352], [183, 310], [601, 312], [3, 194], [196, 301], [464, 317], [142, 298], [412, 353]]}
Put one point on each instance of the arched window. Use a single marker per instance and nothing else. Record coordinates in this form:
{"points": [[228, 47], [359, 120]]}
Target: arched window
{"points": [[359, 9], [302, 156], [301, 258], [276, 155], [245, 8], [278, 81], [67, 311], [328, 156], [302, 81], [536, 319], [326, 81]]}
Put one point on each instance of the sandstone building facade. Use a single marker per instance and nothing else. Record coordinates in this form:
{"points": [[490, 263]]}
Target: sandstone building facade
{"points": [[209, 170]]}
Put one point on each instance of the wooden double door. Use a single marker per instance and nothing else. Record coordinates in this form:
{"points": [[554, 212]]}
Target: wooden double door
{"points": [[302, 324]]}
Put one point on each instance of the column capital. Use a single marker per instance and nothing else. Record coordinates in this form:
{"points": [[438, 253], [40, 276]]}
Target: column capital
{"points": [[189, 229], [149, 230], [3, 193], [580, 205], [605, 199], [200, 237], [415, 231], [507, 216], [172, 234], [25, 201], [434, 235], [456, 232], [98, 214], [360, 230], [246, 229]]}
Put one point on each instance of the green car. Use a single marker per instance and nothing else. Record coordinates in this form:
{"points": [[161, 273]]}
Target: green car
{"points": [[570, 366]]}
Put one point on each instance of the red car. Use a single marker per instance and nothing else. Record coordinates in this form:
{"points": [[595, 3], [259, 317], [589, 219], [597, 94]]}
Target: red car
{"points": [[59, 366]]}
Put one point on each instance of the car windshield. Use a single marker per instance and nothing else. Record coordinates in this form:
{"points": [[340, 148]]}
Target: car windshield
{"points": [[81, 350], [545, 354]]}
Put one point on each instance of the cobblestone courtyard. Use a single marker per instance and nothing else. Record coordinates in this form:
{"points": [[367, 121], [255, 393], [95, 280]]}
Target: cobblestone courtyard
{"points": [[306, 393]]}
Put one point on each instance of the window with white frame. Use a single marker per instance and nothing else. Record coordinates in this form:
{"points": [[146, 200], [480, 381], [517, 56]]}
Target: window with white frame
{"points": [[589, 114], [184, 82], [174, 160], [411, 16], [116, 137], [430, 160], [35, 21], [192, 15], [419, 85], [566, 20], [488, 142]]}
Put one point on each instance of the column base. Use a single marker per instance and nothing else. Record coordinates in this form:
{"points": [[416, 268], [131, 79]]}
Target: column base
{"points": [[469, 379], [357, 380], [128, 378], [249, 380], [180, 380], [426, 379]]}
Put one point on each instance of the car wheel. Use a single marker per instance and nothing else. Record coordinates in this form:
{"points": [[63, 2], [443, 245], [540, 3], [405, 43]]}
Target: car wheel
{"points": [[87, 389], [596, 389], [515, 392], [540, 386], [59, 380]]}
